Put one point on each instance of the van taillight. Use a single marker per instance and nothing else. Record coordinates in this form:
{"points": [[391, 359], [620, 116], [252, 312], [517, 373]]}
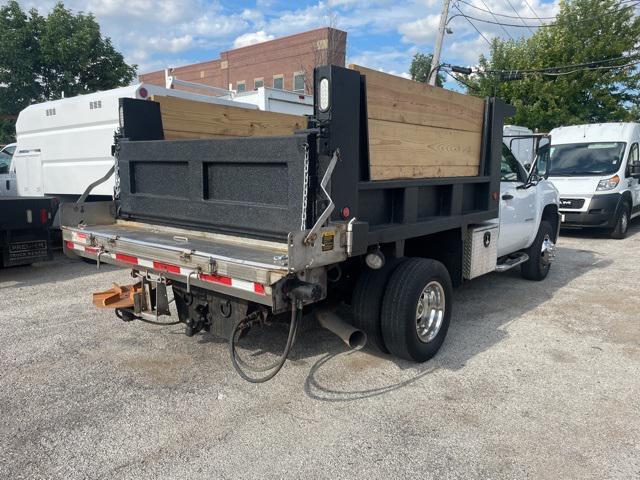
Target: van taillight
{"points": [[44, 216]]}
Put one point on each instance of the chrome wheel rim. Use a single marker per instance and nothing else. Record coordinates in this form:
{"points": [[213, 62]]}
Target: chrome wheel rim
{"points": [[430, 312], [624, 222], [548, 251]]}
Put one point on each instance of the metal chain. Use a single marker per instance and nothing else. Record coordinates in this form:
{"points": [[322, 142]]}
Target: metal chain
{"points": [[305, 188], [116, 187]]}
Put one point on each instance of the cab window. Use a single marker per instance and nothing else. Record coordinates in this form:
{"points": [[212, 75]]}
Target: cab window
{"points": [[509, 166], [5, 162]]}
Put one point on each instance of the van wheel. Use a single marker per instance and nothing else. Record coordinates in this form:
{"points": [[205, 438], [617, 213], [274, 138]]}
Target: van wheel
{"points": [[416, 309], [367, 301], [622, 223], [540, 253]]}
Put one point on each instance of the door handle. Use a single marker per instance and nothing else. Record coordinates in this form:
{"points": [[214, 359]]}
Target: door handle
{"points": [[507, 196]]}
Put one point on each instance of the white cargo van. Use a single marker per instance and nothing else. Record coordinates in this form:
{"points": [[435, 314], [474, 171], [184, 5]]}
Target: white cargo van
{"points": [[596, 168], [65, 145]]}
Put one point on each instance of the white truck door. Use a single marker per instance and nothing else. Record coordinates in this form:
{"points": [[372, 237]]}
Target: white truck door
{"points": [[517, 206], [28, 165], [634, 182]]}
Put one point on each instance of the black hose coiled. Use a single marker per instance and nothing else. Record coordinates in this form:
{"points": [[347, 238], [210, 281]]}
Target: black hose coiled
{"points": [[238, 363]]}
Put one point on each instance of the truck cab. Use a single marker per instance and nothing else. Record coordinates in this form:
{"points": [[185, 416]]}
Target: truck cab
{"points": [[7, 175], [525, 201], [596, 168], [528, 220]]}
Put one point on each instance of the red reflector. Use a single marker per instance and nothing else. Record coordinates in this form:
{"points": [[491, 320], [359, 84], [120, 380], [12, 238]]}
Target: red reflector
{"points": [[71, 246], [143, 92], [166, 267], [215, 279], [126, 258], [90, 250], [44, 216], [258, 288], [345, 212]]}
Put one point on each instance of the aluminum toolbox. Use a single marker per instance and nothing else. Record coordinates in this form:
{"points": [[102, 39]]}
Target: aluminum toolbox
{"points": [[480, 250]]}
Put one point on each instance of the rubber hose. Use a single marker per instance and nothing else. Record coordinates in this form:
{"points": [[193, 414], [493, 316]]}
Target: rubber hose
{"points": [[236, 361]]}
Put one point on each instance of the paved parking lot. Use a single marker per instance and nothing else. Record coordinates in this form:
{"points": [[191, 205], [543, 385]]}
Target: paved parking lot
{"points": [[535, 380]]}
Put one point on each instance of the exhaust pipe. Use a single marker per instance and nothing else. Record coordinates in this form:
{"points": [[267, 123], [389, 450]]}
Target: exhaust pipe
{"points": [[353, 337]]}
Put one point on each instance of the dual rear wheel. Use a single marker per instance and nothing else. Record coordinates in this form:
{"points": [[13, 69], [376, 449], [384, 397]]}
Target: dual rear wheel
{"points": [[405, 307]]}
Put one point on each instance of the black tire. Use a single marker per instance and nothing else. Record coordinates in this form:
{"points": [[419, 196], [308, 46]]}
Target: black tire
{"points": [[537, 267], [400, 307], [622, 223], [367, 301]]}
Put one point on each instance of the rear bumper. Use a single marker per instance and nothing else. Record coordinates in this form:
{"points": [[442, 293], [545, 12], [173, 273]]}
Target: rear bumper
{"points": [[601, 213]]}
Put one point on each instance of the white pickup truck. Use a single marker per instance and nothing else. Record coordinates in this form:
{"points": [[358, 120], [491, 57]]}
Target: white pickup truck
{"points": [[529, 220]]}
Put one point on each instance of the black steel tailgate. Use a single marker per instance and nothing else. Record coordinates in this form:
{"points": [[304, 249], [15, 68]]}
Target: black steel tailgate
{"points": [[251, 186]]}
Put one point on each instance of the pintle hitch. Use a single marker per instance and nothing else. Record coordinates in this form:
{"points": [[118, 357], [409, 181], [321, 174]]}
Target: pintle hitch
{"points": [[145, 300]]}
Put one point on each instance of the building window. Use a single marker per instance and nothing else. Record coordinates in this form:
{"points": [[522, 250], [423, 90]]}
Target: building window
{"points": [[298, 82], [278, 82], [241, 87], [257, 83]]}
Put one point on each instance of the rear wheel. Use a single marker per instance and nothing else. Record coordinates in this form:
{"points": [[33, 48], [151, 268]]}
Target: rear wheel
{"points": [[622, 223], [416, 309], [367, 301], [540, 253]]}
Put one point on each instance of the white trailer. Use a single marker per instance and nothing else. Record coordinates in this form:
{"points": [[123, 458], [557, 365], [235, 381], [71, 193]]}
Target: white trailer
{"points": [[276, 100], [65, 145], [265, 98]]}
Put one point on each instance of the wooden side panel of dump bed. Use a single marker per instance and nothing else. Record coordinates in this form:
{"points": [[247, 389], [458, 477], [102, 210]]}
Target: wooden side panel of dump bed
{"points": [[417, 131], [185, 119]]}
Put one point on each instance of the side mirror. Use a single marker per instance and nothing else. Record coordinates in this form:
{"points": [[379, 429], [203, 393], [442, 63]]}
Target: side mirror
{"points": [[634, 170]]}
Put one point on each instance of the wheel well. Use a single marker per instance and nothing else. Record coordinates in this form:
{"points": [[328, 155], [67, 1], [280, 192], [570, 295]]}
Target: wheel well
{"points": [[551, 215], [445, 247]]}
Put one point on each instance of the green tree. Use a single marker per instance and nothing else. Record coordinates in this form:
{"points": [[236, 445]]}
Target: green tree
{"points": [[421, 67], [584, 31], [45, 58]]}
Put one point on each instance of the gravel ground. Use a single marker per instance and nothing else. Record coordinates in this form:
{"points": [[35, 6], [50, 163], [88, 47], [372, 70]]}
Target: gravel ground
{"points": [[535, 380]]}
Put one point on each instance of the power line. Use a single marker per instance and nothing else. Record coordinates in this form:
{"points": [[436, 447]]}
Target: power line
{"points": [[542, 25], [496, 19], [516, 12], [590, 69], [504, 14], [532, 10], [473, 25], [460, 81], [563, 67]]}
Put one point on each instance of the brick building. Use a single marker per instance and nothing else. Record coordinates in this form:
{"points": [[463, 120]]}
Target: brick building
{"points": [[285, 63]]}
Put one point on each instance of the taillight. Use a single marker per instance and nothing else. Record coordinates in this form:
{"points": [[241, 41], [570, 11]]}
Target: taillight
{"points": [[44, 216]]}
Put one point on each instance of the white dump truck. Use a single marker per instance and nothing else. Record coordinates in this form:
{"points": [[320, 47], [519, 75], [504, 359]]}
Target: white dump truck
{"points": [[382, 204]]}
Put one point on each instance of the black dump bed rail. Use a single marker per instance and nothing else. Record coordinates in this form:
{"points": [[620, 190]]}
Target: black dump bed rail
{"points": [[268, 187]]}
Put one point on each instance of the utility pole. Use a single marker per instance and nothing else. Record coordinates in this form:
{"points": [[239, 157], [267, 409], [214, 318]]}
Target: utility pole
{"points": [[438, 48]]}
